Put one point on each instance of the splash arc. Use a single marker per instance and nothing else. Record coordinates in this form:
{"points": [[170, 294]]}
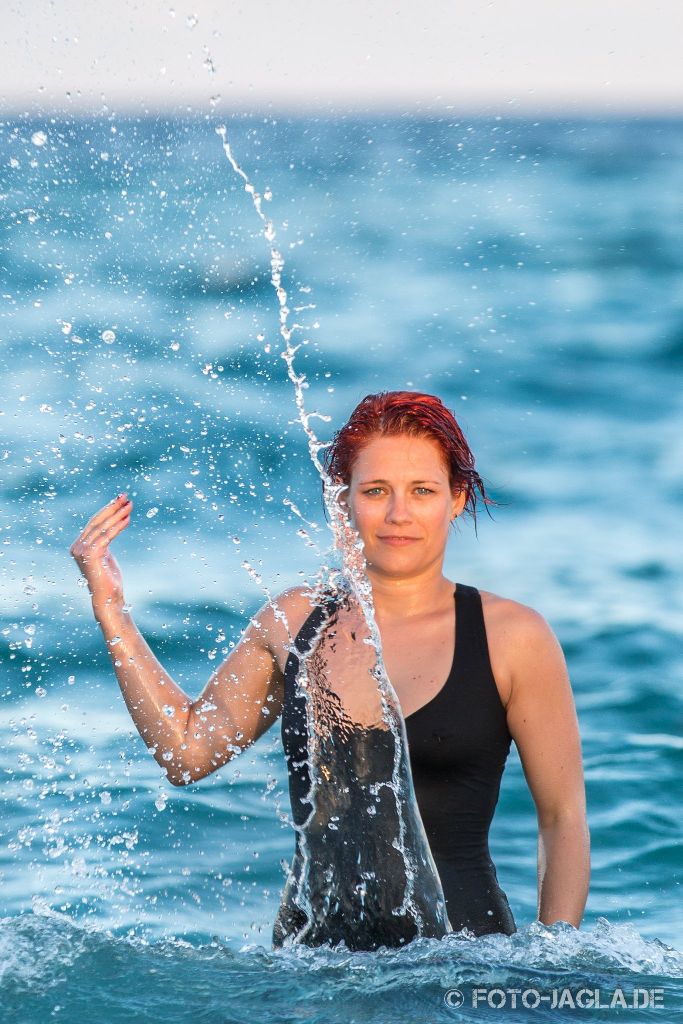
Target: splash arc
{"points": [[389, 778]]}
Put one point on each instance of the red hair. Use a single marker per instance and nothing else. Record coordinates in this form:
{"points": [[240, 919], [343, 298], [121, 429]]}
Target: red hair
{"points": [[392, 413]]}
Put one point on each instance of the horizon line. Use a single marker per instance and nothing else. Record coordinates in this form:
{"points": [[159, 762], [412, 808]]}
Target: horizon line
{"points": [[295, 107]]}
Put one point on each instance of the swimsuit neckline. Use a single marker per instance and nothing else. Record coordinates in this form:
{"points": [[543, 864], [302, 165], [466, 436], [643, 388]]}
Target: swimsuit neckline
{"points": [[452, 671], [406, 718]]}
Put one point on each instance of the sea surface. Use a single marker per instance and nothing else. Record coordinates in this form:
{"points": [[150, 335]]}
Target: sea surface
{"points": [[530, 273]]}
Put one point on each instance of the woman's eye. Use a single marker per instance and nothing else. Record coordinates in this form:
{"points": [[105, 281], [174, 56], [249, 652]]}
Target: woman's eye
{"points": [[378, 490]]}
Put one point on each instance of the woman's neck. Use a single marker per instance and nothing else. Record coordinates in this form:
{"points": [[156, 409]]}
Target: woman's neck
{"points": [[400, 598]]}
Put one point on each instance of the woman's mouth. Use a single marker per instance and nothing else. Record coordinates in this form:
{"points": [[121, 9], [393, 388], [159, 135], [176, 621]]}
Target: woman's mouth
{"points": [[398, 541]]}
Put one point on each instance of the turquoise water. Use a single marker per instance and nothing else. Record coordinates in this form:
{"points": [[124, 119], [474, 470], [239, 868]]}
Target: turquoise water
{"points": [[531, 274]]}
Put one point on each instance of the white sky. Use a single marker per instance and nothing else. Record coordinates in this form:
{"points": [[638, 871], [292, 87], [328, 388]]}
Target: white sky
{"points": [[605, 55]]}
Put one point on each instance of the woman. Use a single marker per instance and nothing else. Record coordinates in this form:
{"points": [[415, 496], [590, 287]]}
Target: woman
{"points": [[407, 474]]}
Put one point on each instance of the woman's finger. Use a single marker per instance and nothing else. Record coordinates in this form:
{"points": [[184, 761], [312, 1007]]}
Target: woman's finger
{"points": [[106, 525], [97, 523], [110, 507]]}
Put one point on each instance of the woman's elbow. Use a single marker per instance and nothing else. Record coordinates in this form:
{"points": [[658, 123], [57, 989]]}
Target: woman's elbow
{"points": [[185, 773], [567, 815]]}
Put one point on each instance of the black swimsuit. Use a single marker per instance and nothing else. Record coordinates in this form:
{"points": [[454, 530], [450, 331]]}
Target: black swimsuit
{"points": [[458, 744]]}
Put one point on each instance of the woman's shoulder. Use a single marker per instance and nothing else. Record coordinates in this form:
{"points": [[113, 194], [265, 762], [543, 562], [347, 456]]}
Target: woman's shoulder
{"points": [[297, 601], [506, 613], [521, 642], [281, 617]]}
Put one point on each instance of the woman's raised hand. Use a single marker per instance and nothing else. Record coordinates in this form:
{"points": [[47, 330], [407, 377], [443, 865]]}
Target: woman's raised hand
{"points": [[95, 560]]}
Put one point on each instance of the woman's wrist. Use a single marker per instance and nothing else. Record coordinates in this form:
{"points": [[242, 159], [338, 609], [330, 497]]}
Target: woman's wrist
{"points": [[110, 612]]}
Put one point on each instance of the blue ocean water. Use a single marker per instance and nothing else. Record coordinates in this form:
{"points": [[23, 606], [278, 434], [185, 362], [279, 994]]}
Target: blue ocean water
{"points": [[528, 272]]}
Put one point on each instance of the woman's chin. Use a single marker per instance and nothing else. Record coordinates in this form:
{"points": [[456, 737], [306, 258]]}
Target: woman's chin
{"points": [[396, 563]]}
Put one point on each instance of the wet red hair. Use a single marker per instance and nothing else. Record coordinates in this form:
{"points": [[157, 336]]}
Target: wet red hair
{"points": [[391, 413]]}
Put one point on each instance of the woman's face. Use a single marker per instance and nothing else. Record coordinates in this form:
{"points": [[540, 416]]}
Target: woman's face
{"points": [[401, 503]]}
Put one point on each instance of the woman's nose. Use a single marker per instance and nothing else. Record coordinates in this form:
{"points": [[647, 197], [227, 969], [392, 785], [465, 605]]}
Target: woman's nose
{"points": [[398, 511]]}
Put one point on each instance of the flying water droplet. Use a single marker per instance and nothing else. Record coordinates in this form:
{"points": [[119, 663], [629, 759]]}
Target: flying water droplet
{"points": [[206, 706], [39, 138], [108, 337]]}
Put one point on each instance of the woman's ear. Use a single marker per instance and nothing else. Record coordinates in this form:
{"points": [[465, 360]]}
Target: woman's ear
{"points": [[459, 502], [341, 495], [344, 492]]}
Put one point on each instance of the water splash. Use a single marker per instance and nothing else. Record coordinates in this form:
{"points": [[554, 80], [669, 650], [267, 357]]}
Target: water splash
{"points": [[354, 576], [48, 958]]}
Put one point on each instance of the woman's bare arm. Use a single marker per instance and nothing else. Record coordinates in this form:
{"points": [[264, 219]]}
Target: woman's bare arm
{"points": [[542, 720], [189, 739], [244, 696], [192, 738]]}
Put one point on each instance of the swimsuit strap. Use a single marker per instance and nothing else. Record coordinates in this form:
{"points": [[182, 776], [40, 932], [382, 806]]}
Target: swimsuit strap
{"points": [[312, 624]]}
